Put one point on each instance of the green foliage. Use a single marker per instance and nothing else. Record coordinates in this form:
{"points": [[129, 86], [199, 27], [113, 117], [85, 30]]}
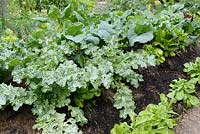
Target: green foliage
{"points": [[122, 128], [155, 119], [192, 6], [85, 94], [160, 119], [126, 4], [124, 100], [141, 33], [78, 114], [61, 65], [39, 5], [15, 96], [19, 21], [171, 33], [193, 69], [70, 54], [183, 90], [55, 123]]}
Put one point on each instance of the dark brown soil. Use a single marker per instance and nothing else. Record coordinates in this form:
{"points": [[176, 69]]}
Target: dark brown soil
{"points": [[102, 116], [157, 79], [19, 122]]}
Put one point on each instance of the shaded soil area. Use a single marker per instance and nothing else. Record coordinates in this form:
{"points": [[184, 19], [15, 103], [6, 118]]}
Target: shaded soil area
{"points": [[101, 115], [157, 79], [19, 122]]}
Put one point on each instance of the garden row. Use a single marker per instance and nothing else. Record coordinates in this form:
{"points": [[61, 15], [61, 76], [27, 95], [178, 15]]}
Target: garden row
{"points": [[72, 54]]}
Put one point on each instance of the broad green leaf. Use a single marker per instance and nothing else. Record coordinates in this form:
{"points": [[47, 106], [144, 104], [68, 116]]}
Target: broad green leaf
{"points": [[66, 12], [142, 28], [142, 38], [73, 29], [194, 101], [180, 95], [105, 31], [171, 94], [77, 39], [78, 16], [92, 39], [54, 12]]}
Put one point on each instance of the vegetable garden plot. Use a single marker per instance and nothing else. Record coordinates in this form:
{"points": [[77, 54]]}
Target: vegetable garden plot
{"points": [[72, 58], [102, 116]]}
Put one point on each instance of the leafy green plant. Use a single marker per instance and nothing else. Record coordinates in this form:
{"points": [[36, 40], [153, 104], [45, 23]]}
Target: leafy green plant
{"points": [[155, 119], [85, 94], [15, 96], [193, 69], [71, 54], [160, 119], [39, 5], [124, 100], [59, 65], [183, 90], [126, 4], [142, 33]]}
